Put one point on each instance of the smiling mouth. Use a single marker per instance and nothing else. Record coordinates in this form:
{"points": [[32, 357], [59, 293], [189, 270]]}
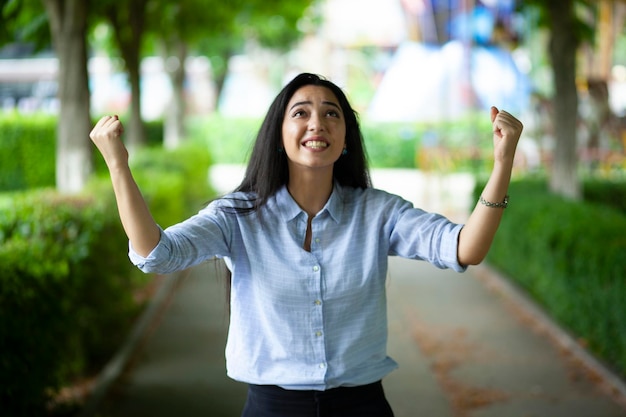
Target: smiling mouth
{"points": [[316, 144]]}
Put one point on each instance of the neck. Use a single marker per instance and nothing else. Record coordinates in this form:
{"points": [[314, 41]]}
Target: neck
{"points": [[311, 190]]}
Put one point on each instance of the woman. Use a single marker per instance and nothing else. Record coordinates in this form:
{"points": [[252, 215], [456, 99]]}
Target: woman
{"points": [[306, 239]]}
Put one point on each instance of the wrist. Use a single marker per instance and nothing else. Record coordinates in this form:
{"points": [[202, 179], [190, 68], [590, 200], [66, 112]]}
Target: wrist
{"points": [[118, 168], [503, 163], [504, 203]]}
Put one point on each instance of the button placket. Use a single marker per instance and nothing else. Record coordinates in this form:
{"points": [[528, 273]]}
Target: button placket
{"points": [[317, 319], [317, 313]]}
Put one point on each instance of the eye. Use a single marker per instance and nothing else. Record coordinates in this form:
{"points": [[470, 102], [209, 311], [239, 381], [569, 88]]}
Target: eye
{"points": [[332, 113], [298, 113]]}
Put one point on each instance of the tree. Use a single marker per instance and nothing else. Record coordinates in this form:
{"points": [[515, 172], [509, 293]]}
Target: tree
{"points": [[129, 24], [24, 22], [176, 27], [67, 21], [598, 60], [562, 49], [179, 26], [567, 32], [182, 27], [68, 27]]}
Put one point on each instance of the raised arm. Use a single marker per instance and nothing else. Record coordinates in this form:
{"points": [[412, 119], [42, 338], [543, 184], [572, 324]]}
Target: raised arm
{"points": [[477, 235], [137, 221]]}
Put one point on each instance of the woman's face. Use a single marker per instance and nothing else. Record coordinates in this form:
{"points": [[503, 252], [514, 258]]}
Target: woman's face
{"points": [[314, 129]]}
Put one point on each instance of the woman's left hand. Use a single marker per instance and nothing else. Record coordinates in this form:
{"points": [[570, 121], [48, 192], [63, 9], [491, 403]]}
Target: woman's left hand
{"points": [[506, 133]]}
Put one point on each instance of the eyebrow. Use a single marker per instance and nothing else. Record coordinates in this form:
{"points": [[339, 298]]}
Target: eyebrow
{"points": [[329, 103]]}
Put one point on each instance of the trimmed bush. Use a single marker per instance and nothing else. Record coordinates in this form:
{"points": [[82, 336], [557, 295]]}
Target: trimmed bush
{"points": [[65, 293], [606, 192], [388, 145], [154, 132], [27, 151], [391, 144], [174, 183], [66, 284], [229, 140], [570, 257]]}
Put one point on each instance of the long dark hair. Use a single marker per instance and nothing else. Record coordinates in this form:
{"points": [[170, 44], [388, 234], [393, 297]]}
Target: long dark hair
{"points": [[267, 169]]}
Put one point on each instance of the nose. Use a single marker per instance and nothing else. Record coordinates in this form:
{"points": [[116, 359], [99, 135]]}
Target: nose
{"points": [[316, 123]]}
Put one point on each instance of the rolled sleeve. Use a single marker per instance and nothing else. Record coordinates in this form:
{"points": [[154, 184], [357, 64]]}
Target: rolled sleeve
{"points": [[426, 236], [197, 239], [151, 262], [449, 249]]}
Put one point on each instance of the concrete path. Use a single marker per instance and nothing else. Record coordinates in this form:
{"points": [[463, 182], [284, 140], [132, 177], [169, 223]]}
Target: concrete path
{"points": [[465, 347], [179, 369], [461, 350]]}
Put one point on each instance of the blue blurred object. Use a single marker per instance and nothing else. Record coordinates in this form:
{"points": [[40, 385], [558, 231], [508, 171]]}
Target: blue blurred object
{"points": [[431, 83]]}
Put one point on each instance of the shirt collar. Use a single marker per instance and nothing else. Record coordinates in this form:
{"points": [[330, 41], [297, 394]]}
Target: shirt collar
{"points": [[289, 209]]}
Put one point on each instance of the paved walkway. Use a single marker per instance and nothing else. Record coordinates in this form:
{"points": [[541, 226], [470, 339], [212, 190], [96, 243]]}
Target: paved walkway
{"points": [[465, 348]]}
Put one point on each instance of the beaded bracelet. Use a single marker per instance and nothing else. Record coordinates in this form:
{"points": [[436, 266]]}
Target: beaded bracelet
{"points": [[504, 204]]}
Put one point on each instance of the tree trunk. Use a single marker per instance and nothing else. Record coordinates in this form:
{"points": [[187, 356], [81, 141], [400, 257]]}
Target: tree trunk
{"points": [[600, 119], [607, 33], [136, 131], [174, 59], [562, 49], [128, 25], [219, 77], [68, 23]]}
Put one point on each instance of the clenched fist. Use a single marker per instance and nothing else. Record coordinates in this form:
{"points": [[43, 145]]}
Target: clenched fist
{"points": [[506, 133], [106, 135]]}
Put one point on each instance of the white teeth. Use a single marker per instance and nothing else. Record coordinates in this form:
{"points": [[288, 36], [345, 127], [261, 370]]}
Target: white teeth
{"points": [[316, 144]]}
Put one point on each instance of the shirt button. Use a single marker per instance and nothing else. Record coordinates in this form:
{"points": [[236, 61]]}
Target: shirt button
{"points": [[318, 302], [322, 365], [318, 333], [316, 268], [317, 240]]}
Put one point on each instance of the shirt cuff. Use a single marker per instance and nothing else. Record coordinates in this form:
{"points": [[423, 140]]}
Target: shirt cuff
{"points": [[450, 253], [142, 262]]}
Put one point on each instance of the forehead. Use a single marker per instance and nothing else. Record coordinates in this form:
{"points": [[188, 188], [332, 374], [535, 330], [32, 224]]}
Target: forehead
{"points": [[313, 94]]}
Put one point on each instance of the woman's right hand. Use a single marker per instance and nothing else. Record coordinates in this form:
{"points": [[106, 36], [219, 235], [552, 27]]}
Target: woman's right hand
{"points": [[106, 135], [138, 223]]}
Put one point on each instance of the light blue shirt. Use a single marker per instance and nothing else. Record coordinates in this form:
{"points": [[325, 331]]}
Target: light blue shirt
{"points": [[308, 320]]}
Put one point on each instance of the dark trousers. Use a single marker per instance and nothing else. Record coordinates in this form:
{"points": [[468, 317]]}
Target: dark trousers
{"points": [[272, 401]]}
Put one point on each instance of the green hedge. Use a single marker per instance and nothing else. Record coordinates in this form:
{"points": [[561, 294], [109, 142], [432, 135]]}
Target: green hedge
{"points": [[391, 144], [27, 151], [173, 182], [388, 145], [65, 293], [229, 140], [611, 193], [570, 257], [27, 144], [66, 284]]}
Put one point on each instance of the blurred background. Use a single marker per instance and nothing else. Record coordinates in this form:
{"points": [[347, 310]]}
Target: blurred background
{"points": [[192, 79], [413, 63]]}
